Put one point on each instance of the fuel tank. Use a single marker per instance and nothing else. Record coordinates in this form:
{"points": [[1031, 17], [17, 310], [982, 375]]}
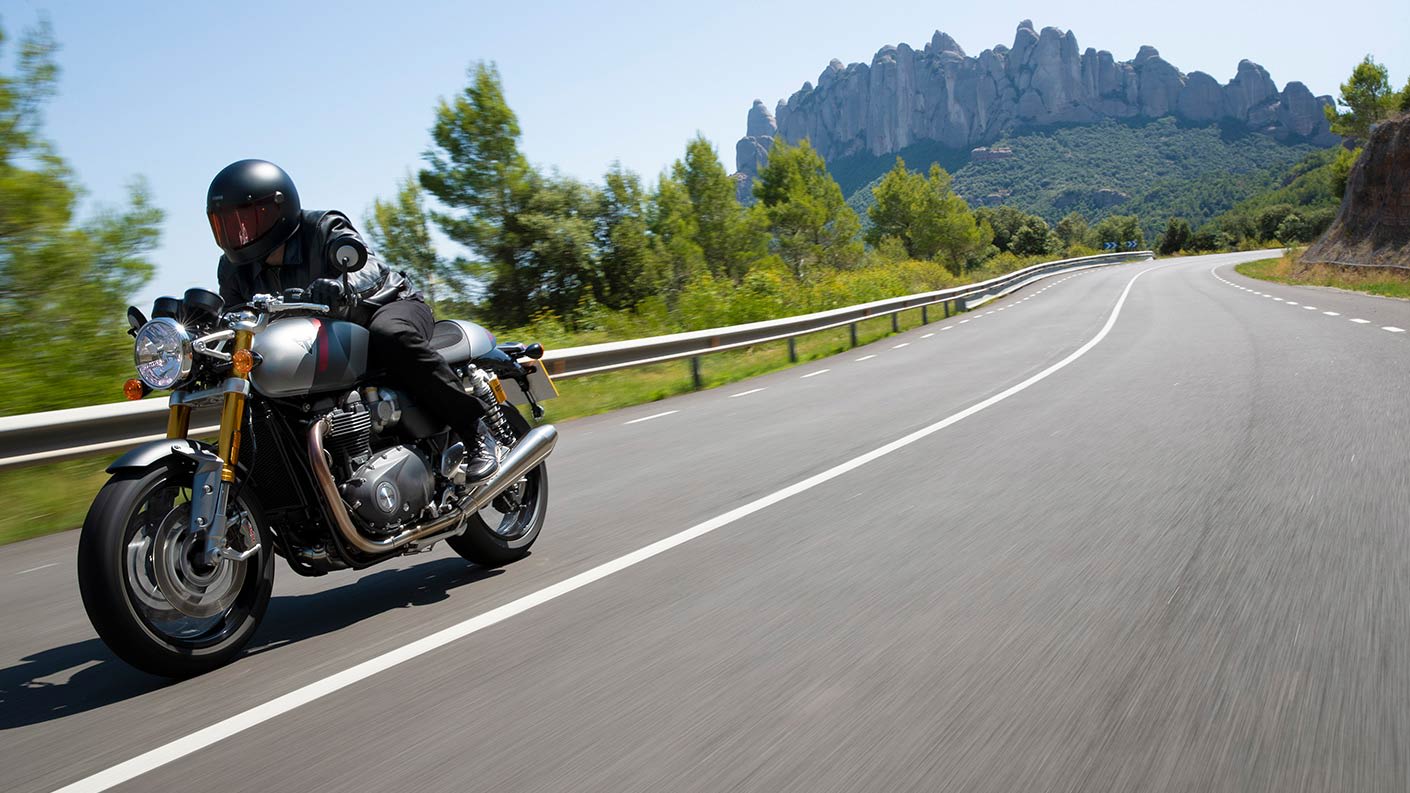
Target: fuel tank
{"points": [[309, 355]]}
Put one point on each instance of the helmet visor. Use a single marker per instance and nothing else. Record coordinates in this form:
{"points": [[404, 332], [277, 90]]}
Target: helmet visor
{"points": [[236, 227]]}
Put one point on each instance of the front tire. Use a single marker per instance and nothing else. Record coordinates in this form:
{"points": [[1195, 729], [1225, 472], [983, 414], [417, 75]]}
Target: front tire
{"points": [[502, 533], [117, 554]]}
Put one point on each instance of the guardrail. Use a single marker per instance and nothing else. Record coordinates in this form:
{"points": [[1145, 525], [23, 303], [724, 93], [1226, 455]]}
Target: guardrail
{"points": [[66, 434]]}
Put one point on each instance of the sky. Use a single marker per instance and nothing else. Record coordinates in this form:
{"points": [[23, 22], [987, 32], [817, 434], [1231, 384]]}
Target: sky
{"points": [[341, 94]]}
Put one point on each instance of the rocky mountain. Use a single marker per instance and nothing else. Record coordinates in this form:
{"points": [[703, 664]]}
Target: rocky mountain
{"points": [[942, 96], [1373, 224]]}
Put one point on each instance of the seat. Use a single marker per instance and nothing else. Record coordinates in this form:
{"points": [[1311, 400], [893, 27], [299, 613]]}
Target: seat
{"points": [[459, 340]]}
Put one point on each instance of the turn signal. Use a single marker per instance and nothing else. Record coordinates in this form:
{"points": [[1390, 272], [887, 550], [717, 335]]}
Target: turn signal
{"points": [[243, 361], [133, 389]]}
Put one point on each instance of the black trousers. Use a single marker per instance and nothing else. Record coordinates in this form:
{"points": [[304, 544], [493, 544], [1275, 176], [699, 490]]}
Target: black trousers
{"points": [[401, 344]]}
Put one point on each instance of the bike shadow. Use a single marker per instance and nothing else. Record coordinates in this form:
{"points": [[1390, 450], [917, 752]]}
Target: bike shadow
{"points": [[83, 676]]}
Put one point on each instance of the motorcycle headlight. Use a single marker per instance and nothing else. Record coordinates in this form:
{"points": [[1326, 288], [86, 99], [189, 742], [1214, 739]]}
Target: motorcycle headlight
{"points": [[162, 353]]}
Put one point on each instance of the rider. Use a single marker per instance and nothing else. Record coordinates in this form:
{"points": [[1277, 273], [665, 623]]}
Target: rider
{"points": [[272, 244]]}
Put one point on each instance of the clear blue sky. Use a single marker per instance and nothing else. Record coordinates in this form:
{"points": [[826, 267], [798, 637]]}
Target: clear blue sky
{"points": [[341, 94]]}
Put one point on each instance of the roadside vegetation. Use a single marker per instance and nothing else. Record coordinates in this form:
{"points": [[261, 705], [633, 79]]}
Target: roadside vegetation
{"points": [[1287, 269]]}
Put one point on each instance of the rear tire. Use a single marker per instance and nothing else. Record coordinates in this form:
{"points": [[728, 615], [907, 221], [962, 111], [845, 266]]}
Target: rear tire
{"points": [[130, 614], [516, 529]]}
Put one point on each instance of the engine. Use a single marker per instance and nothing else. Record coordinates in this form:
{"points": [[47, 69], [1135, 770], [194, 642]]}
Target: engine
{"points": [[386, 488]]}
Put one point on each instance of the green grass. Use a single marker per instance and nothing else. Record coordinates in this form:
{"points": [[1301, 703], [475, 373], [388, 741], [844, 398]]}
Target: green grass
{"points": [[1288, 270], [49, 498]]}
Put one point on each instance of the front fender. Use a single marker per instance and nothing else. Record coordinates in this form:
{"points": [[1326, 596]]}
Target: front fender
{"points": [[153, 452]]}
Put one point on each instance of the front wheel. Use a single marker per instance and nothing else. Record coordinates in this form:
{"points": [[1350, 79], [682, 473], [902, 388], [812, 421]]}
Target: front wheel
{"points": [[149, 600], [502, 532]]}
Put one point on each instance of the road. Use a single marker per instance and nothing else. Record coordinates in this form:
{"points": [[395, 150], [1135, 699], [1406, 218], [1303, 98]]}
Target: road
{"points": [[1137, 528]]}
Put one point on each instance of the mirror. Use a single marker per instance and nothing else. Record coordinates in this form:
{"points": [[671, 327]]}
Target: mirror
{"points": [[347, 254], [135, 318]]}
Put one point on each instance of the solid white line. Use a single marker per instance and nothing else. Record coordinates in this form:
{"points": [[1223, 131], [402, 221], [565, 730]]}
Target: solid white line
{"points": [[747, 393], [1393, 329], [866, 357], [928, 335], [1362, 321], [648, 418], [41, 567], [221, 730], [814, 374], [902, 344], [1331, 313]]}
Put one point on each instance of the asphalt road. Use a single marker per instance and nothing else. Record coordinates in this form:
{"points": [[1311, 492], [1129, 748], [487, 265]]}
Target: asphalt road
{"points": [[1172, 559]]}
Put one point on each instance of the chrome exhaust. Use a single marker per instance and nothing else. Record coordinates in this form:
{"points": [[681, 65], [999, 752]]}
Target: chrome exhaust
{"points": [[522, 458]]}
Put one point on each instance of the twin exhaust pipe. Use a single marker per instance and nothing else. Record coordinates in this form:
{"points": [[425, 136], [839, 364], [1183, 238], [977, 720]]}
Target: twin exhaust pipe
{"points": [[523, 457]]}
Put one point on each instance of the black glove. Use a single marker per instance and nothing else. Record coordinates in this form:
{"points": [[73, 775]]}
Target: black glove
{"points": [[326, 291]]}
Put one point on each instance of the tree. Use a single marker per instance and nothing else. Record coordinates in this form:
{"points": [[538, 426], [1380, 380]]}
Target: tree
{"points": [[1341, 170], [676, 258], [1403, 99], [1006, 222], [625, 254], [1294, 229], [401, 237], [926, 216], [1176, 237], [731, 238], [1269, 218], [63, 283], [1034, 238], [811, 224], [1368, 98], [1072, 230], [1121, 230]]}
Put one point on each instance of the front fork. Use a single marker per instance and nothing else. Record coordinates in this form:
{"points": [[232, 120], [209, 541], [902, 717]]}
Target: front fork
{"points": [[215, 473]]}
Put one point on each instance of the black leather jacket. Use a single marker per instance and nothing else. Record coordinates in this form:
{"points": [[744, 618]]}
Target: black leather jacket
{"points": [[374, 286]]}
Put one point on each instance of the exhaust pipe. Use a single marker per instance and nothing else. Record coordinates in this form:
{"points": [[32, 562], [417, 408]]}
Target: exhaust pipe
{"points": [[522, 458]]}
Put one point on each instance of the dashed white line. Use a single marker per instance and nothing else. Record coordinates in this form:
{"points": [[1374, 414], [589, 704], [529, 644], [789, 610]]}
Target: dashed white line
{"points": [[1289, 302], [963, 321], [1393, 329], [1310, 308], [1331, 313], [814, 374], [41, 567], [947, 327], [746, 393], [928, 335], [866, 357], [648, 418], [902, 344], [1362, 321]]}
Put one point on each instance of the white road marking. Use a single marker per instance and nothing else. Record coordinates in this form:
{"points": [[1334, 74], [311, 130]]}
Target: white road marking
{"points": [[963, 321], [747, 393], [1310, 308], [866, 357], [947, 327], [1331, 313], [1291, 303], [41, 567], [928, 335], [814, 374], [1393, 329], [1362, 321], [1279, 299], [233, 725], [902, 344], [648, 418]]}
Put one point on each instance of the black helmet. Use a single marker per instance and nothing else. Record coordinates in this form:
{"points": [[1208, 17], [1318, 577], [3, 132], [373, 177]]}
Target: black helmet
{"points": [[253, 208]]}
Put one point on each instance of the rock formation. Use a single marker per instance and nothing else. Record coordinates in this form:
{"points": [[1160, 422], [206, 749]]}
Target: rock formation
{"points": [[1373, 224], [941, 94]]}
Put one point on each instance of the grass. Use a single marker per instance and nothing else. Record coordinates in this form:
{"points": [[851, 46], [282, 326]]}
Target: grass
{"points": [[49, 498], [1287, 269]]}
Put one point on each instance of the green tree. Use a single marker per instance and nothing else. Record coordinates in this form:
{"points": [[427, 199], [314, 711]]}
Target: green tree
{"points": [[1268, 219], [1341, 170], [1119, 229], [811, 224], [625, 255], [1034, 238], [400, 235], [925, 214], [63, 282], [1072, 230], [1367, 97], [1294, 229], [731, 238], [676, 258], [1006, 222], [1177, 236], [1403, 98]]}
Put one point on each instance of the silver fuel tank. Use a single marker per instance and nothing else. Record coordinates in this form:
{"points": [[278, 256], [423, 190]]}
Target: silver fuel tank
{"points": [[303, 355]]}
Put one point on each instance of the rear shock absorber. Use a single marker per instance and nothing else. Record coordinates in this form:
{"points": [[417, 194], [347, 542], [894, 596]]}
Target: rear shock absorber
{"points": [[494, 411]]}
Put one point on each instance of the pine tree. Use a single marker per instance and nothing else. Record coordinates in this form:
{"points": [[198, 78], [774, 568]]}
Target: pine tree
{"points": [[812, 225]]}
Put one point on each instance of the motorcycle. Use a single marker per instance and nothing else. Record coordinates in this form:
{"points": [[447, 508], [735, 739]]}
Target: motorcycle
{"points": [[318, 460]]}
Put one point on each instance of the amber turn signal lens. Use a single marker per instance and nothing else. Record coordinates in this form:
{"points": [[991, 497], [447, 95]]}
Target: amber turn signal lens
{"points": [[243, 361], [133, 389]]}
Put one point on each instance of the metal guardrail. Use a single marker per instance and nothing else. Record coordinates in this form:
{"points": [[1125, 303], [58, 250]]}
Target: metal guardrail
{"points": [[66, 434]]}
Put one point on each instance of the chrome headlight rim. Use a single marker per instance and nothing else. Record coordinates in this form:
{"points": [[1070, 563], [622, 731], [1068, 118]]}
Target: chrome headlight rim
{"points": [[183, 356]]}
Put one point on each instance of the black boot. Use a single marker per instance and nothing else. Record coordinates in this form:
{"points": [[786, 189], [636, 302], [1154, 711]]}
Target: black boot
{"points": [[480, 462]]}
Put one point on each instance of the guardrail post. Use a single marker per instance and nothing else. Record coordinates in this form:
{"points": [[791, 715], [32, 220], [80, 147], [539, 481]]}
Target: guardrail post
{"points": [[925, 315], [946, 304], [852, 331], [792, 350], [695, 373], [896, 322]]}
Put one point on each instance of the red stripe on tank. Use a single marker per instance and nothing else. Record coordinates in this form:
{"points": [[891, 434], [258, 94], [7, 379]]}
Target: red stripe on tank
{"points": [[322, 357]]}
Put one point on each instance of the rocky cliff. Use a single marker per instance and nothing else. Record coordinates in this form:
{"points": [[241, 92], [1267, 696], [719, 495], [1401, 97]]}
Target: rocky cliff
{"points": [[1373, 224], [940, 94]]}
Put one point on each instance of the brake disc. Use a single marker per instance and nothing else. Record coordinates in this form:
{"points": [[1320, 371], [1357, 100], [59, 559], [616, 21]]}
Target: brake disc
{"points": [[193, 592]]}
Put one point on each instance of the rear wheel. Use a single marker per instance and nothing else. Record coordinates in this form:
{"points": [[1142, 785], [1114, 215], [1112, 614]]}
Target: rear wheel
{"points": [[502, 532], [144, 591]]}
